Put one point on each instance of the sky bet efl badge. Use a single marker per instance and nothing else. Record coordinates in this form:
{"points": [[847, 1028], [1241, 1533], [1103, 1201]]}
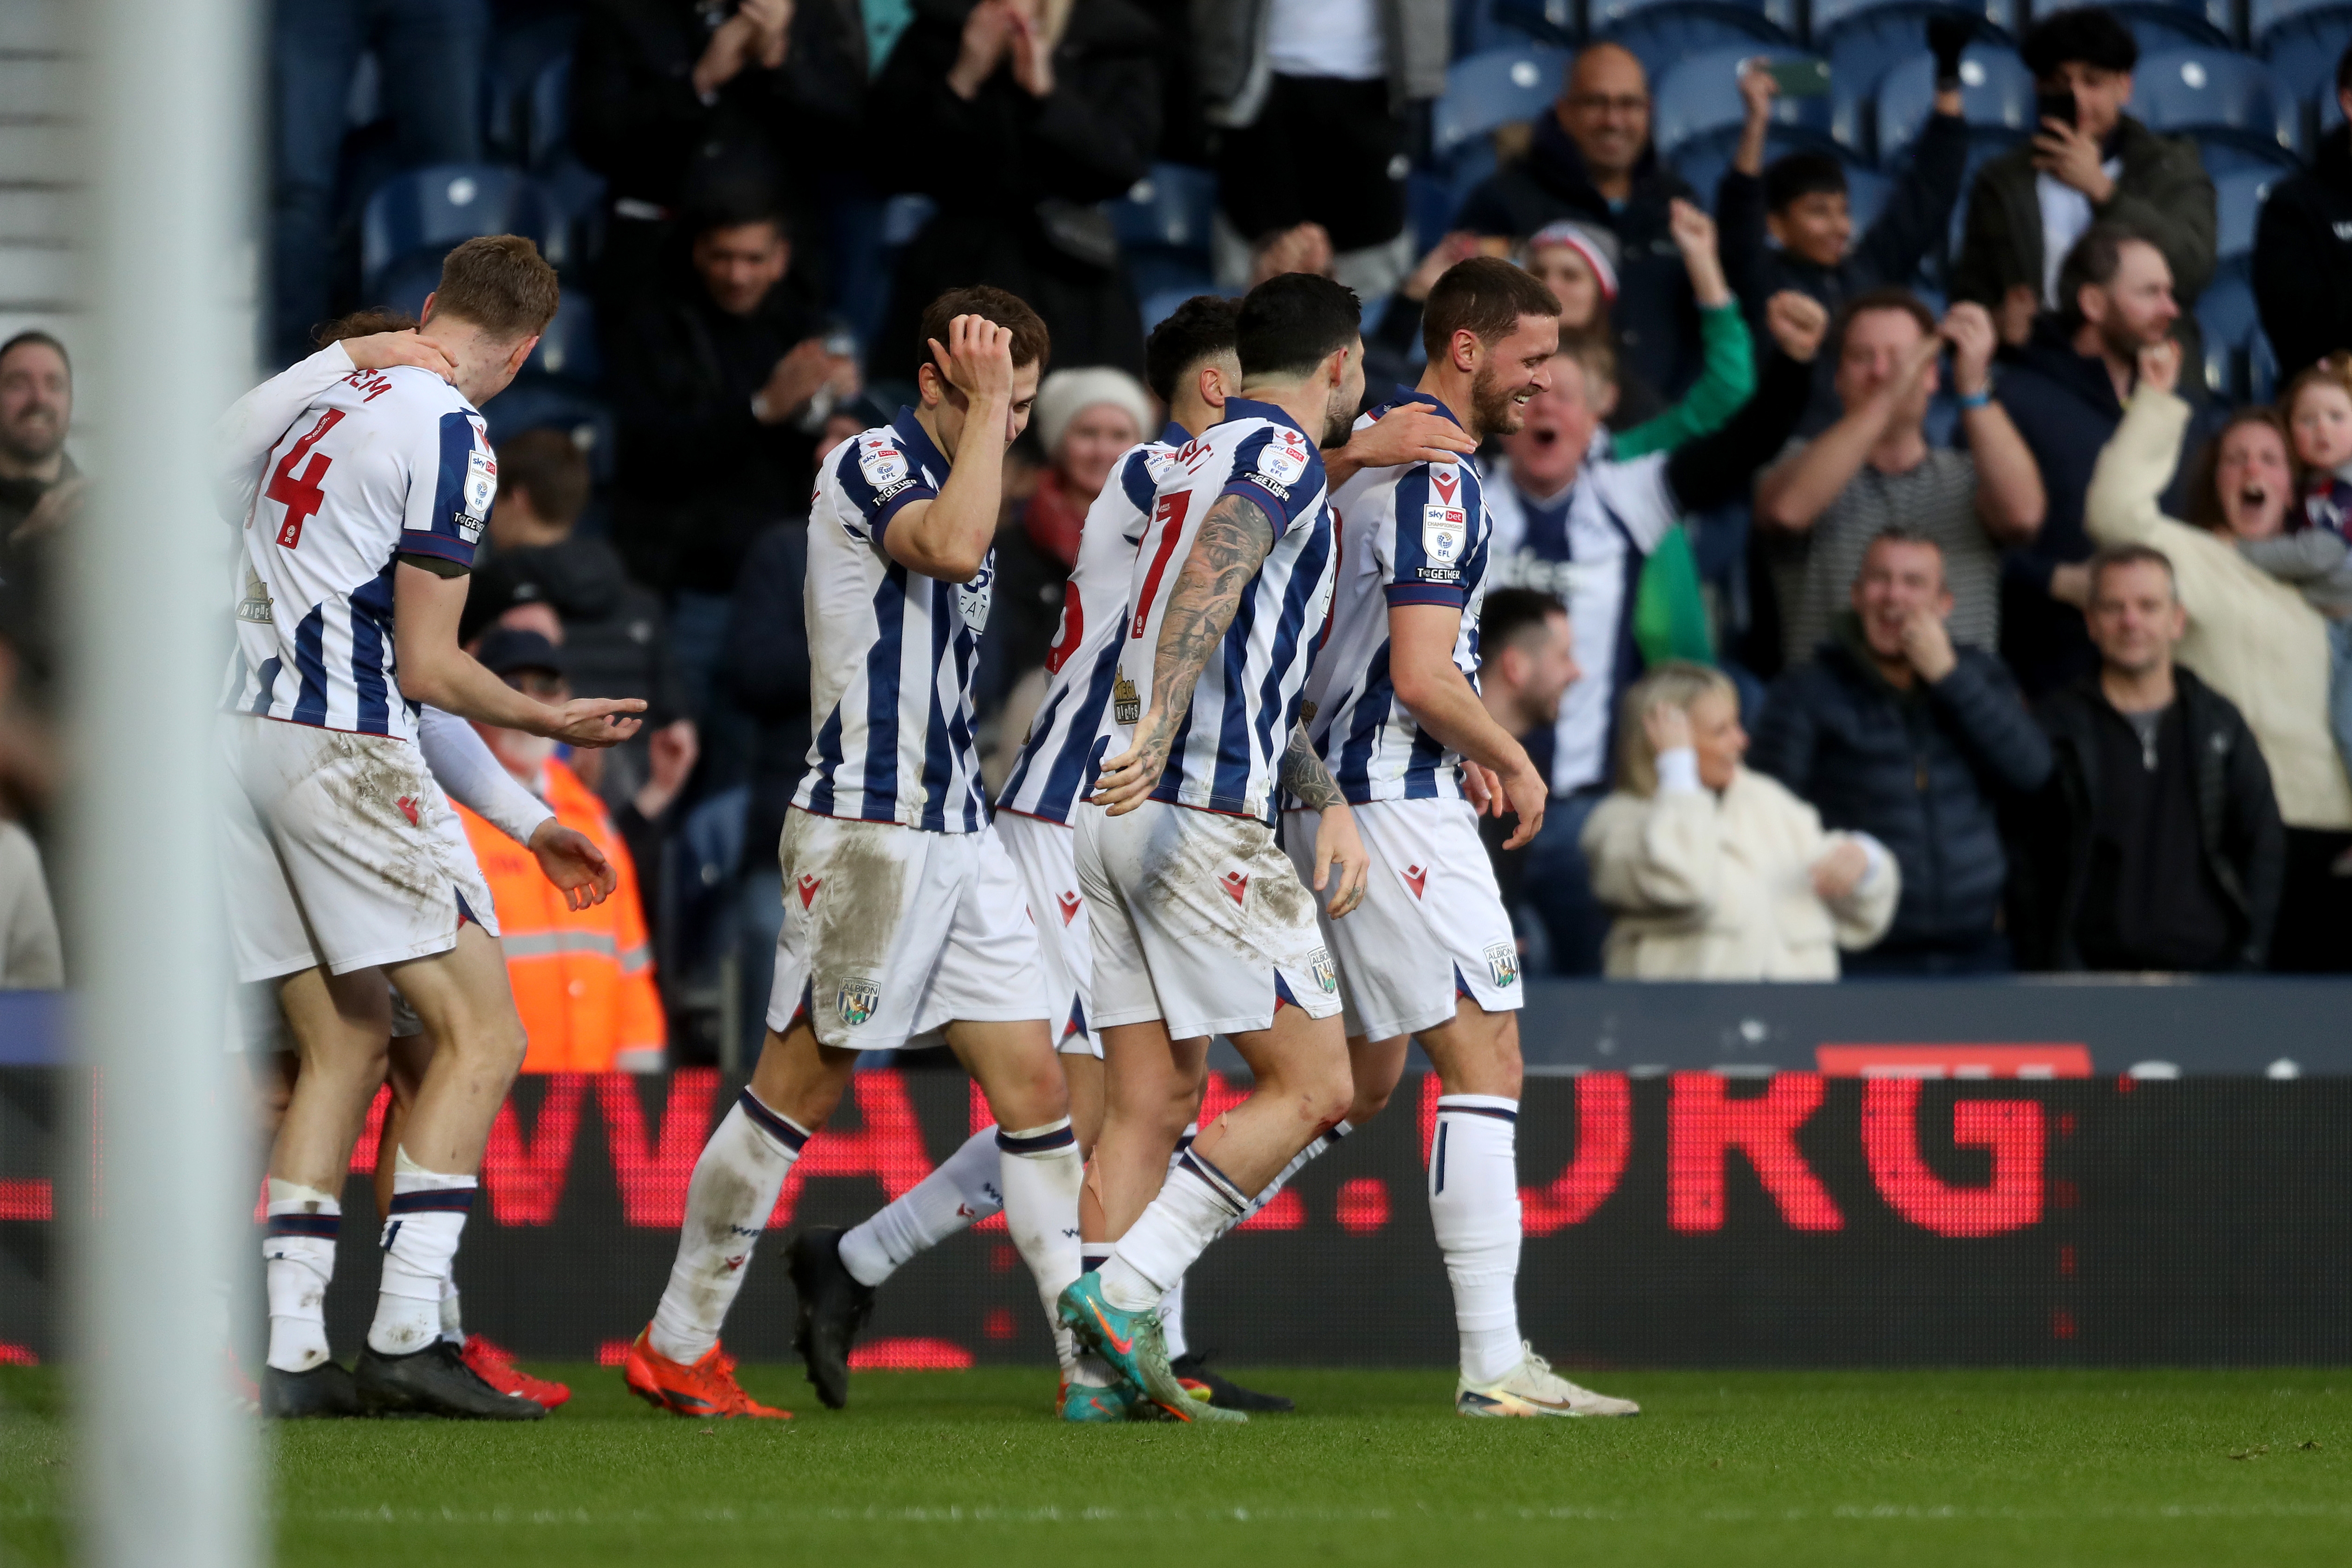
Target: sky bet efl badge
{"points": [[881, 462], [1444, 525], [1284, 458]]}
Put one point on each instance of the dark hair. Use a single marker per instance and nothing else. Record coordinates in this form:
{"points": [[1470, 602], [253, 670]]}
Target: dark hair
{"points": [[500, 283], [35, 335], [1484, 296], [733, 204], [1802, 175], [364, 323], [2204, 491], [1509, 612], [2114, 555], [2091, 264], [1292, 323], [1031, 345], [1198, 330], [2088, 34], [1890, 297], [545, 463], [1904, 534]]}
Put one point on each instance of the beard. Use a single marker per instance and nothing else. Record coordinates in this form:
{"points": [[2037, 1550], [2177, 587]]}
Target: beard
{"points": [[1494, 411], [1338, 418], [2124, 340], [35, 437]]}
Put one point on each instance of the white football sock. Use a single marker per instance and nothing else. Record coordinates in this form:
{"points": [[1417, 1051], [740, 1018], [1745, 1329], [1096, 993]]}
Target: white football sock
{"points": [[420, 1247], [1474, 1205], [961, 1192], [1040, 1172], [453, 1322], [736, 1180], [1323, 1143], [1171, 1321], [1196, 1205], [299, 1262]]}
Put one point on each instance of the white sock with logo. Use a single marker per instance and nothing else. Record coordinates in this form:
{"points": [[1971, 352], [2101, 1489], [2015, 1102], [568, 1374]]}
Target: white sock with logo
{"points": [[1196, 1205], [736, 1180], [1474, 1205], [420, 1248], [1040, 1172], [298, 1263], [962, 1191]]}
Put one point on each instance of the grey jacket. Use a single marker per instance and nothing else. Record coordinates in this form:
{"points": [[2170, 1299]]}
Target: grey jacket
{"points": [[2315, 561], [1229, 39]]}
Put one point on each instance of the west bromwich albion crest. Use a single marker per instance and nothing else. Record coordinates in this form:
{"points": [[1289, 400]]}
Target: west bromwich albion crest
{"points": [[858, 999], [1126, 702], [1445, 523], [1503, 962]]}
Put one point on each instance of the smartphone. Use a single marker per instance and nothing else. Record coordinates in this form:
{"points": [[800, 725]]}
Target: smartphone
{"points": [[2057, 106], [1799, 78]]}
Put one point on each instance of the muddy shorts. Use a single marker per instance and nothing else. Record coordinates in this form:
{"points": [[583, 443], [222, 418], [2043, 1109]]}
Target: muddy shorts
{"points": [[1199, 920], [1431, 926], [338, 848], [1046, 855], [890, 932]]}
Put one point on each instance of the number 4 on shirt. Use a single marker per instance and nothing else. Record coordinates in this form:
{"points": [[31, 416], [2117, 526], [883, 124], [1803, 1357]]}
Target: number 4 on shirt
{"points": [[302, 496]]}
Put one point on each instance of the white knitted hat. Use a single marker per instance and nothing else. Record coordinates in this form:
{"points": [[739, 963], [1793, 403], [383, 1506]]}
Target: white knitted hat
{"points": [[1068, 393]]}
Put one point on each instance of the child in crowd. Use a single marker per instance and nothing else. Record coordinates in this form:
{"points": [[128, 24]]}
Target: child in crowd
{"points": [[2318, 407]]}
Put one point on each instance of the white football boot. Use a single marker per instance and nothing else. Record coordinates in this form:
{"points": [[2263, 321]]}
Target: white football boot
{"points": [[1533, 1388]]}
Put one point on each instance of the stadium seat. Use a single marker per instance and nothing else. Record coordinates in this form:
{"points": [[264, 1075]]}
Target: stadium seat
{"points": [[1703, 164], [1605, 16], [2238, 365], [1996, 95], [903, 217], [2238, 203], [2225, 100], [1502, 86], [549, 130], [2160, 25], [1868, 45], [1660, 36], [1697, 101], [1170, 207], [435, 207], [2301, 52], [1832, 20], [519, 57], [568, 347], [535, 403], [1545, 21], [2266, 18]]}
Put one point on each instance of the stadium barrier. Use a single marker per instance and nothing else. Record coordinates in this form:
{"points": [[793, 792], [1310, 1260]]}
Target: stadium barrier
{"points": [[1685, 1218]]}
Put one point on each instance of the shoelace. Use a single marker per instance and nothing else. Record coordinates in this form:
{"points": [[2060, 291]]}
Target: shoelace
{"points": [[734, 1399]]}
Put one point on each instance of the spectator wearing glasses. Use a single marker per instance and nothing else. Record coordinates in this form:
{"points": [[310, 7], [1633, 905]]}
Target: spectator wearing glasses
{"points": [[2302, 249], [2030, 205], [1591, 160]]}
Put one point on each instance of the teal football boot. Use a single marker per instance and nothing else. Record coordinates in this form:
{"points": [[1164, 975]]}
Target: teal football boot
{"points": [[1130, 1342]]}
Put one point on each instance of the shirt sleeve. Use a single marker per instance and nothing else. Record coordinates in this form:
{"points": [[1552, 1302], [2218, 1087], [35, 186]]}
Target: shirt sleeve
{"points": [[243, 436], [1429, 536], [452, 479], [879, 481], [462, 764], [1278, 469]]}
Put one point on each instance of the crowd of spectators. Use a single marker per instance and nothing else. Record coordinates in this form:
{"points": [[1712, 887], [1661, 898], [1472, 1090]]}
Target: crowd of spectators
{"points": [[1891, 490]]}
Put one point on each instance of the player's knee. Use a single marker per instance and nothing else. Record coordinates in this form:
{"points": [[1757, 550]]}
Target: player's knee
{"points": [[1368, 1100], [1327, 1093]]}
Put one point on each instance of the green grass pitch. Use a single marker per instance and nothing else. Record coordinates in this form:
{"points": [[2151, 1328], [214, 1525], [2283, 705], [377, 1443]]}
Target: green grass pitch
{"points": [[965, 1469]]}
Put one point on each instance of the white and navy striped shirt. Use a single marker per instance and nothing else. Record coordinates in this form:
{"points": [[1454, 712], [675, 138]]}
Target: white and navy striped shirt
{"points": [[1415, 534], [1050, 774], [1226, 756], [380, 464], [891, 652]]}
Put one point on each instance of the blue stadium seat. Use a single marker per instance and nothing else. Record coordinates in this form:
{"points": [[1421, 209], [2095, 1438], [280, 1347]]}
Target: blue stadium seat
{"points": [[2301, 52], [2225, 100], [567, 348], [2265, 18], [1605, 16], [435, 207], [1170, 207], [549, 131], [1502, 86], [1697, 99], [517, 57], [1832, 19], [2238, 203], [404, 284], [1996, 95], [1659, 36], [903, 217], [2238, 365], [534, 402], [1869, 44], [2160, 25], [1550, 22]]}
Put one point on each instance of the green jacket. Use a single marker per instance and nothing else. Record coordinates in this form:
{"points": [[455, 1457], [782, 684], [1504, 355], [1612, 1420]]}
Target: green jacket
{"points": [[2164, 194]]}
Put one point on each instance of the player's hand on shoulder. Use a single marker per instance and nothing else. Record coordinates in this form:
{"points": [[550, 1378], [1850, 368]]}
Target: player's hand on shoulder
{"points": [[572, 860], [977, 358], [598, 721], [1410, 435], [381, 350]]}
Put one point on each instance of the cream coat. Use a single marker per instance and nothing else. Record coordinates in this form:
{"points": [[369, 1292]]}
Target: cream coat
{"points": [[2250, 636], [1711, 887]]}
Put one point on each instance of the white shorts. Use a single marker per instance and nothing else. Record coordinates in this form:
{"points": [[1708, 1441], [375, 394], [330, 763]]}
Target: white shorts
{"points": [[1199, 920], [339, 849], [1431, 924], [257, 1025], [892, 932], [1047, 854]]}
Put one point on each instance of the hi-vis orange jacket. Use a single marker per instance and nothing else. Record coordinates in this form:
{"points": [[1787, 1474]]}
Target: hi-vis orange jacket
{"points": [[584, 981]]}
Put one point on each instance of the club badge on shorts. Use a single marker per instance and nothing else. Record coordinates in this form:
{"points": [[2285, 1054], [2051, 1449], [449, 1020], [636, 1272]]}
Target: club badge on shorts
{"points": [[1503, 962], [858, 1000], [1326, 974]]}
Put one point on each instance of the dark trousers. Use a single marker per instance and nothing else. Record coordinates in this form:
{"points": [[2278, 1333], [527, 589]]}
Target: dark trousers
{"points": [[1985, 954], [1321, 150], [2314, 933]]}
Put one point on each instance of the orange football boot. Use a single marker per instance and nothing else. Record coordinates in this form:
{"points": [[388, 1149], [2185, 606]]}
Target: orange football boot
{"points": [[494, 1366], [706, 1388]]}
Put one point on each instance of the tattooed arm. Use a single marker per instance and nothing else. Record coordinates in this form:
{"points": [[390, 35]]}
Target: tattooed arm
{"points": [[1337, 842], [1234, 541]]}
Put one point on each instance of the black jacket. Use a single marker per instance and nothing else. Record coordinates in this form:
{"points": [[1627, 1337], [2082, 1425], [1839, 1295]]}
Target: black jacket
{"points": [[1921, 770], [766, 663], [1016, 178], [2064, 403], [1655, 317], [1912, 227], [2302, 257], [2239, 833]]}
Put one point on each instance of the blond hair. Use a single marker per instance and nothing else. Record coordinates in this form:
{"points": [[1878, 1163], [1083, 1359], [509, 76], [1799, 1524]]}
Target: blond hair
{"points": [[500, 283], [1677, 683]]}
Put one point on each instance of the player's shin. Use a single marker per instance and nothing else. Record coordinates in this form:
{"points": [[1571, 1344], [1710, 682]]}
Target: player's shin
{"points": [[298, 1254], [420, 1248], [733, 1191], [964, 1190], [1474, 1205], [1040, 1173]]}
